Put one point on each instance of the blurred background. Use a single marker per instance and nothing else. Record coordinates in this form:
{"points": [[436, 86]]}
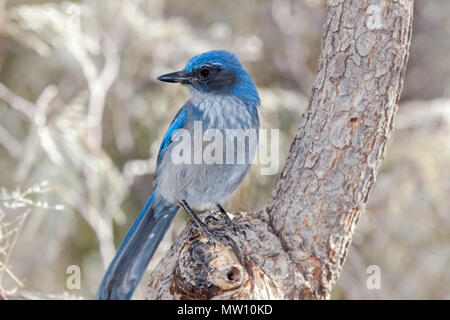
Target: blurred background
{"points": [[82, 117]]}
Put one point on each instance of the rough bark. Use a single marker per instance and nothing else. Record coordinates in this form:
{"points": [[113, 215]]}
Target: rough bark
{"points": [[295, 247]]}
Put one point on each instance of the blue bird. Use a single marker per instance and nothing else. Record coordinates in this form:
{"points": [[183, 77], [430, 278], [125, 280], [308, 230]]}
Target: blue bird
{"points": [[224, 98]]}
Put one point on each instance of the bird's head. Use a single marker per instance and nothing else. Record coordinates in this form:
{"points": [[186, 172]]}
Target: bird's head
{"points": [[216, 72]]}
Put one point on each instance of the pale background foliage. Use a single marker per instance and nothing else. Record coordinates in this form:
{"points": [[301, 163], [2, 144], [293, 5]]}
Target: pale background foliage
{"points": [[81, 109]]}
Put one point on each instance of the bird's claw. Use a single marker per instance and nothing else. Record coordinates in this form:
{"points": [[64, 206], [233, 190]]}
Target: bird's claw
{"points": [[240, 228], [235, 227], [221, 237], [210, 218]]}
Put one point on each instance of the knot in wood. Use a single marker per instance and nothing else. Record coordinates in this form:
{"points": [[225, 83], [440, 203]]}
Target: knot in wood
{"points": [[206, 269]]}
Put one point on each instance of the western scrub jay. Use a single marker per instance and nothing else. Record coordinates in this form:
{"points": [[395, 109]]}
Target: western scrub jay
{"points": [[224, 98]]}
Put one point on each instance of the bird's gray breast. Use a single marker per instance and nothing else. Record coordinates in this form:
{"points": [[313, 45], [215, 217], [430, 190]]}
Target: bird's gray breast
{"points": [[228, 131]]}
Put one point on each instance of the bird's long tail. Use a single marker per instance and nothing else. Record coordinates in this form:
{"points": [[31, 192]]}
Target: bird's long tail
{"points": [[136, 250]]}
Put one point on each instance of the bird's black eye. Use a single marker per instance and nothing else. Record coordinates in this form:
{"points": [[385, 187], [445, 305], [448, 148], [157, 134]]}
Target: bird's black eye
{"points": [[204, 73]]}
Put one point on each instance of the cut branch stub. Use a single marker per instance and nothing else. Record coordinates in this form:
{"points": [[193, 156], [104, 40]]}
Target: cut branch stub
{"points": [[207, 269]]}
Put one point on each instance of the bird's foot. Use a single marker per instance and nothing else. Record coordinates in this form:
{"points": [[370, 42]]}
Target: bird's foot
{"points": [[222, 237], [235, 227], [212, 234]]}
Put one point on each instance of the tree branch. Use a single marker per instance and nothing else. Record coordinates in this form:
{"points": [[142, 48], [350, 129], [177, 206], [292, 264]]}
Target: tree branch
{"points": [[295, 248]]}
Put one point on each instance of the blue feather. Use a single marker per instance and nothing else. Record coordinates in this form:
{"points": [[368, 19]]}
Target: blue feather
{"points": [[136, 250], [178, 122]]}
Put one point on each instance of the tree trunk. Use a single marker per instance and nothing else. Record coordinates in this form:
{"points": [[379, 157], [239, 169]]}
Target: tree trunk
{"points": [[295, 247]]}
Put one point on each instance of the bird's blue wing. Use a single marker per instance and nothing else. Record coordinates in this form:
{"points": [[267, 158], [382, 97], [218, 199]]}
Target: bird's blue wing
{"points": [[178, 122]]}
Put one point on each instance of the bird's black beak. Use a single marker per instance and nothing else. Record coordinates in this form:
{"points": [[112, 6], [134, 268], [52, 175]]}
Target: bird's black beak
{"points": [[175, 77]]}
